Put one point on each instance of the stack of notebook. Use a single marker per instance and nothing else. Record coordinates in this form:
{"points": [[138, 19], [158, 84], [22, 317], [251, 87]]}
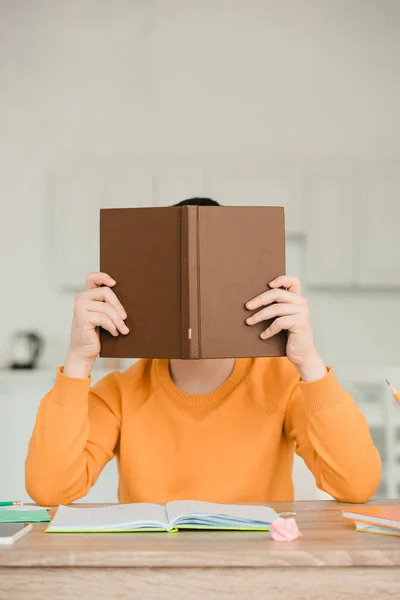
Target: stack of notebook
{"points": [[376, 519]]}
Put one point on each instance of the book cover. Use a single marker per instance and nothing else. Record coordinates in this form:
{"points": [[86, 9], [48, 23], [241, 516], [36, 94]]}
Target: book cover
{"points": [[387, 516], [184, 275]]}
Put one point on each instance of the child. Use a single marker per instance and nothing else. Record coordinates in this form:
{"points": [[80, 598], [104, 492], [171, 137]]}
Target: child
{"points": [[214, 430]]}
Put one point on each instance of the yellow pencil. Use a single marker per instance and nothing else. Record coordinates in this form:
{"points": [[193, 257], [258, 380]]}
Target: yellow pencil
{"points": [[394, 391]]}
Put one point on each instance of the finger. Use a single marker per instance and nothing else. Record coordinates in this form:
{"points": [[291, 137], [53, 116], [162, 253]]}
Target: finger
{"points": [[101, 320], [94, 280], [107, 309], [104, 294], [271, 312], [276, 295], [292, 284], [277, 326]]}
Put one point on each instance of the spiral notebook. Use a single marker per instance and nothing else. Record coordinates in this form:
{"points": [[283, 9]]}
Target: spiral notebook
{"points": [[180, 514]]}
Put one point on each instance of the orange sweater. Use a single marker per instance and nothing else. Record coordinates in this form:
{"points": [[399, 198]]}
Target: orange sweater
{"points": [[235, 444]]}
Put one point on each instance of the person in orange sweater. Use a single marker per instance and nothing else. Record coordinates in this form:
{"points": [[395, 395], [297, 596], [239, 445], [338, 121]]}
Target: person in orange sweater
{"points": [[213, 430]]}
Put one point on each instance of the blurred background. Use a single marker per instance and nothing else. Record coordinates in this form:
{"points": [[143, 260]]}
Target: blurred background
{"points": [[147, 102]]}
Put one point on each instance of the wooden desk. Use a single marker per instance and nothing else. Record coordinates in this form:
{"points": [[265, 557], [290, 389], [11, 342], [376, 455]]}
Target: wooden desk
{"points": [[331, 560]]}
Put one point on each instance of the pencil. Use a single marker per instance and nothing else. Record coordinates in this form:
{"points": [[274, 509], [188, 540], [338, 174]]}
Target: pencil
{"points": [[12, 503], [393, 390]]}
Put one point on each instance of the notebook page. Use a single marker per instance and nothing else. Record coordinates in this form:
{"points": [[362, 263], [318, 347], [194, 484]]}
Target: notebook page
{"points": [[231, 512], [108, 517]]}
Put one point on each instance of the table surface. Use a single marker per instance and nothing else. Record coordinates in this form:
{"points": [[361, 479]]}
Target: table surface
{"points": [[327, 540]]}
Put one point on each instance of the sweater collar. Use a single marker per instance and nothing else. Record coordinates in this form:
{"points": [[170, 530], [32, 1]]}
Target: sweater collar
{"points": [[238, 374]]}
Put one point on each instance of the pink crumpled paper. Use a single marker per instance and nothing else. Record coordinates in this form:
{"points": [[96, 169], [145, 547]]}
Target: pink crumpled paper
{"points": [[284, 530]]}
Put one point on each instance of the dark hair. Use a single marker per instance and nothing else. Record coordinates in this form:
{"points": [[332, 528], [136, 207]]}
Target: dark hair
{"points": [[198, 202]]}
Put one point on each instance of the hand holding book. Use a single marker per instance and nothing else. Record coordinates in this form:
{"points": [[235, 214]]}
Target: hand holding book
{"points": [[285, 304], [173, 312], [97, 306]]}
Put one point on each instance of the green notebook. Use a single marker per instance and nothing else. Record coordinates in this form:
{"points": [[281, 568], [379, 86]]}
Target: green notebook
{"points": [[180, 514], [22, 515]]}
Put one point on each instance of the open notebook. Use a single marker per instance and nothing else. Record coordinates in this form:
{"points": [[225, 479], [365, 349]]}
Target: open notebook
{"points": [[181, 514]]}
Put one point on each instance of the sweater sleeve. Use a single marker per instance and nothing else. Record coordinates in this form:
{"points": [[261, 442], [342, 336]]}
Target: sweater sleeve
{"points": [[76, 433], [333, 438]]}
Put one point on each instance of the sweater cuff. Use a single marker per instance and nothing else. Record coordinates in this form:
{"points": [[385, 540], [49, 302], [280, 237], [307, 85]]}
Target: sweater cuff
{"points": [[70, 392], [323, 393]]}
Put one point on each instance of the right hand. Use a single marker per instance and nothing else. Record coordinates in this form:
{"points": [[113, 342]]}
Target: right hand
{"points": [[93, 308]]}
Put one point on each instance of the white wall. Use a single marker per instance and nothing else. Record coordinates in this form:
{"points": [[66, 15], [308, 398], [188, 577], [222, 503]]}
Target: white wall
{"points": [[300, 82]]}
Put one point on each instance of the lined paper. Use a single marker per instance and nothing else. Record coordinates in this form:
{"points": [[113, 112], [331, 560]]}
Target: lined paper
{"points": [[220, 512], [109, 517]]}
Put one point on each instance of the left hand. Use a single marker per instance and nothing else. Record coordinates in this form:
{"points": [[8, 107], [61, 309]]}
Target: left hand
{"points": [[290, 311]]}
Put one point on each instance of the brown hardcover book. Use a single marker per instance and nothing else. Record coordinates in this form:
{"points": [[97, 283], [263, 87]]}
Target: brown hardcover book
{"points": [[184, 275]]}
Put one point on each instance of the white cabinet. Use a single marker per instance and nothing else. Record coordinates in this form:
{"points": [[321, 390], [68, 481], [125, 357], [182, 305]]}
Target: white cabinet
{"points": [[78, 191], [378, 224], [329, 258], [353, 220], [260, 184], [20, 396], [175, 183], [77, 194], [349, 219]]}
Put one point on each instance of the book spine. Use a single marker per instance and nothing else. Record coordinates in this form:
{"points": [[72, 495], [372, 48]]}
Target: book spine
{"points": [[189, 282]]}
